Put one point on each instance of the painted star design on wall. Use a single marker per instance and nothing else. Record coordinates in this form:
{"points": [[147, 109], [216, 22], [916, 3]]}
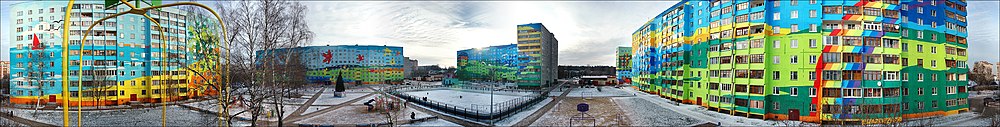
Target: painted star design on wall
{"points": [[361, 57], [327, 57]]}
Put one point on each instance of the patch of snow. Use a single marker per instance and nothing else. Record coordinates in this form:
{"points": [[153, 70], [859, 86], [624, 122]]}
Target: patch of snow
{"points": [[435, 122], [468, 98], [643, 112], [314, 109], [606, 91], [353, 115]]}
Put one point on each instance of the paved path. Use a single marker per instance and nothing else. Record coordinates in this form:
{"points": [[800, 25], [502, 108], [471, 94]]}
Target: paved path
{"points": [[537, 114], [30, 123], [305, 106]]}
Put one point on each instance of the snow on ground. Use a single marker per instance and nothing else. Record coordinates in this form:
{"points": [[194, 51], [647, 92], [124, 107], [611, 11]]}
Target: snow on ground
{"points": [[176, 116], [294, 101], [10, 123], [314, 108], [517, 117], [466, 98], [643, 112], [355, 114], [211, 105], [328, 99], [435, 122], [606, 91], [604, 111]]}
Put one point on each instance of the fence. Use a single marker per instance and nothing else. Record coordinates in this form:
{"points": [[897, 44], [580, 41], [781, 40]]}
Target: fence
{"points": [[475, 112]]}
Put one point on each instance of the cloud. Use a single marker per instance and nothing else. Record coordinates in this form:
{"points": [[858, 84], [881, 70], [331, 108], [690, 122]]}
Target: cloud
{"points": [[984, 31], [433, 31]]}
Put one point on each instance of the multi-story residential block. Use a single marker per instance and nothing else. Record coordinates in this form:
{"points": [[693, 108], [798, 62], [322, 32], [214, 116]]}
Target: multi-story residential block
{"points": [[866, 61], [623, 66], [494, 63], [409, 66], [364, 64], [125, 59], [532, 62], [4, 69], [538, 47]]}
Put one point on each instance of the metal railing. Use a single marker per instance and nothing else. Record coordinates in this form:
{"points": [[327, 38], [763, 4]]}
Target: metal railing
{"points": [[475, 112]]}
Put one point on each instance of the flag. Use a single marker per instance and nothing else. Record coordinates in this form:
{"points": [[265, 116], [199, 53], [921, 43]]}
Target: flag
{"points": [[35, 44]]}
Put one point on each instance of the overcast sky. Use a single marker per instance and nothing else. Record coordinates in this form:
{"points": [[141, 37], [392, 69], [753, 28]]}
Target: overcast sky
{"points": [[588, 31]]}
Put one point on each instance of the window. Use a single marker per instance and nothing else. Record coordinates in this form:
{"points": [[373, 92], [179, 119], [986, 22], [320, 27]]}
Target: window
{"points": [[812, 28], [776, 44], [794, 43], [934, 91], [794, 91], [794, 59], [831, 40], [776, 59], [776, 91], [812, 59], [777, 15], [776, 75], [812, 13], [812, 93], [933, 50], [920, 91], [920, 48], [793, 75], [812, 43], [794, 15]]}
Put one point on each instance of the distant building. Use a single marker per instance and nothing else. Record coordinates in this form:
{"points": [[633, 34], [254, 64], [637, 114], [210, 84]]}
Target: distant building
{"points": [[566, 72], [4, 69], [494, 63], [409, 66], [368, 64], [624, 64]]}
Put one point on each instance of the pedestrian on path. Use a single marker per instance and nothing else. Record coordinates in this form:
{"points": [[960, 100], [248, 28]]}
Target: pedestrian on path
{"points": [[413, 115]]}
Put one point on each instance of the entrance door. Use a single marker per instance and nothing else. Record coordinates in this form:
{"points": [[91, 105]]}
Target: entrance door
{"points": [[52, 98], [133, 98], [699, 100], [793, 114]]}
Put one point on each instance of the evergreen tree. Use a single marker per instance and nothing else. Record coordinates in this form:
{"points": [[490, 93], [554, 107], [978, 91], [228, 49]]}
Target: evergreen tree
{"points": [[340, 83]]}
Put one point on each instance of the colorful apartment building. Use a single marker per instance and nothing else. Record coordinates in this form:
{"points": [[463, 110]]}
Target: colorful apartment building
{"points": [[125, 60], [868, 61], [365, 64], [623, 66], [494, 63], [532, 62], [538, 47]]}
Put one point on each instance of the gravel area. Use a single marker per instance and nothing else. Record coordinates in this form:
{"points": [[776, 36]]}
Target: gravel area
{"points": [[604, 111], [176, 116], [643, 112]]}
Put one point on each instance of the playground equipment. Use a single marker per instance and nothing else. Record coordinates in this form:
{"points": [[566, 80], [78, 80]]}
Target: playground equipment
{"points": [[384, 102]]}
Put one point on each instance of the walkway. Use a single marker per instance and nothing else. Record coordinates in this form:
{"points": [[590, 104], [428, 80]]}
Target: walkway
{"points": [[291, 119], [308, 103], [445, 117], [537, 114], [30, 123]]}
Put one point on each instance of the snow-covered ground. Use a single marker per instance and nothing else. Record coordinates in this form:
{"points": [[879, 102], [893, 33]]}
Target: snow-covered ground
{"points": [[467, 98], [355, 114], [10, 123], [606, 91], [314, 108], [211, 105], [435, 123], [328, 99], [175, 116], [642, 112]]}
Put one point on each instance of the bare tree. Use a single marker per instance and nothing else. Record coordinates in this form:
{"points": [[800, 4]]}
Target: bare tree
{"points": [[263, 34]]}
